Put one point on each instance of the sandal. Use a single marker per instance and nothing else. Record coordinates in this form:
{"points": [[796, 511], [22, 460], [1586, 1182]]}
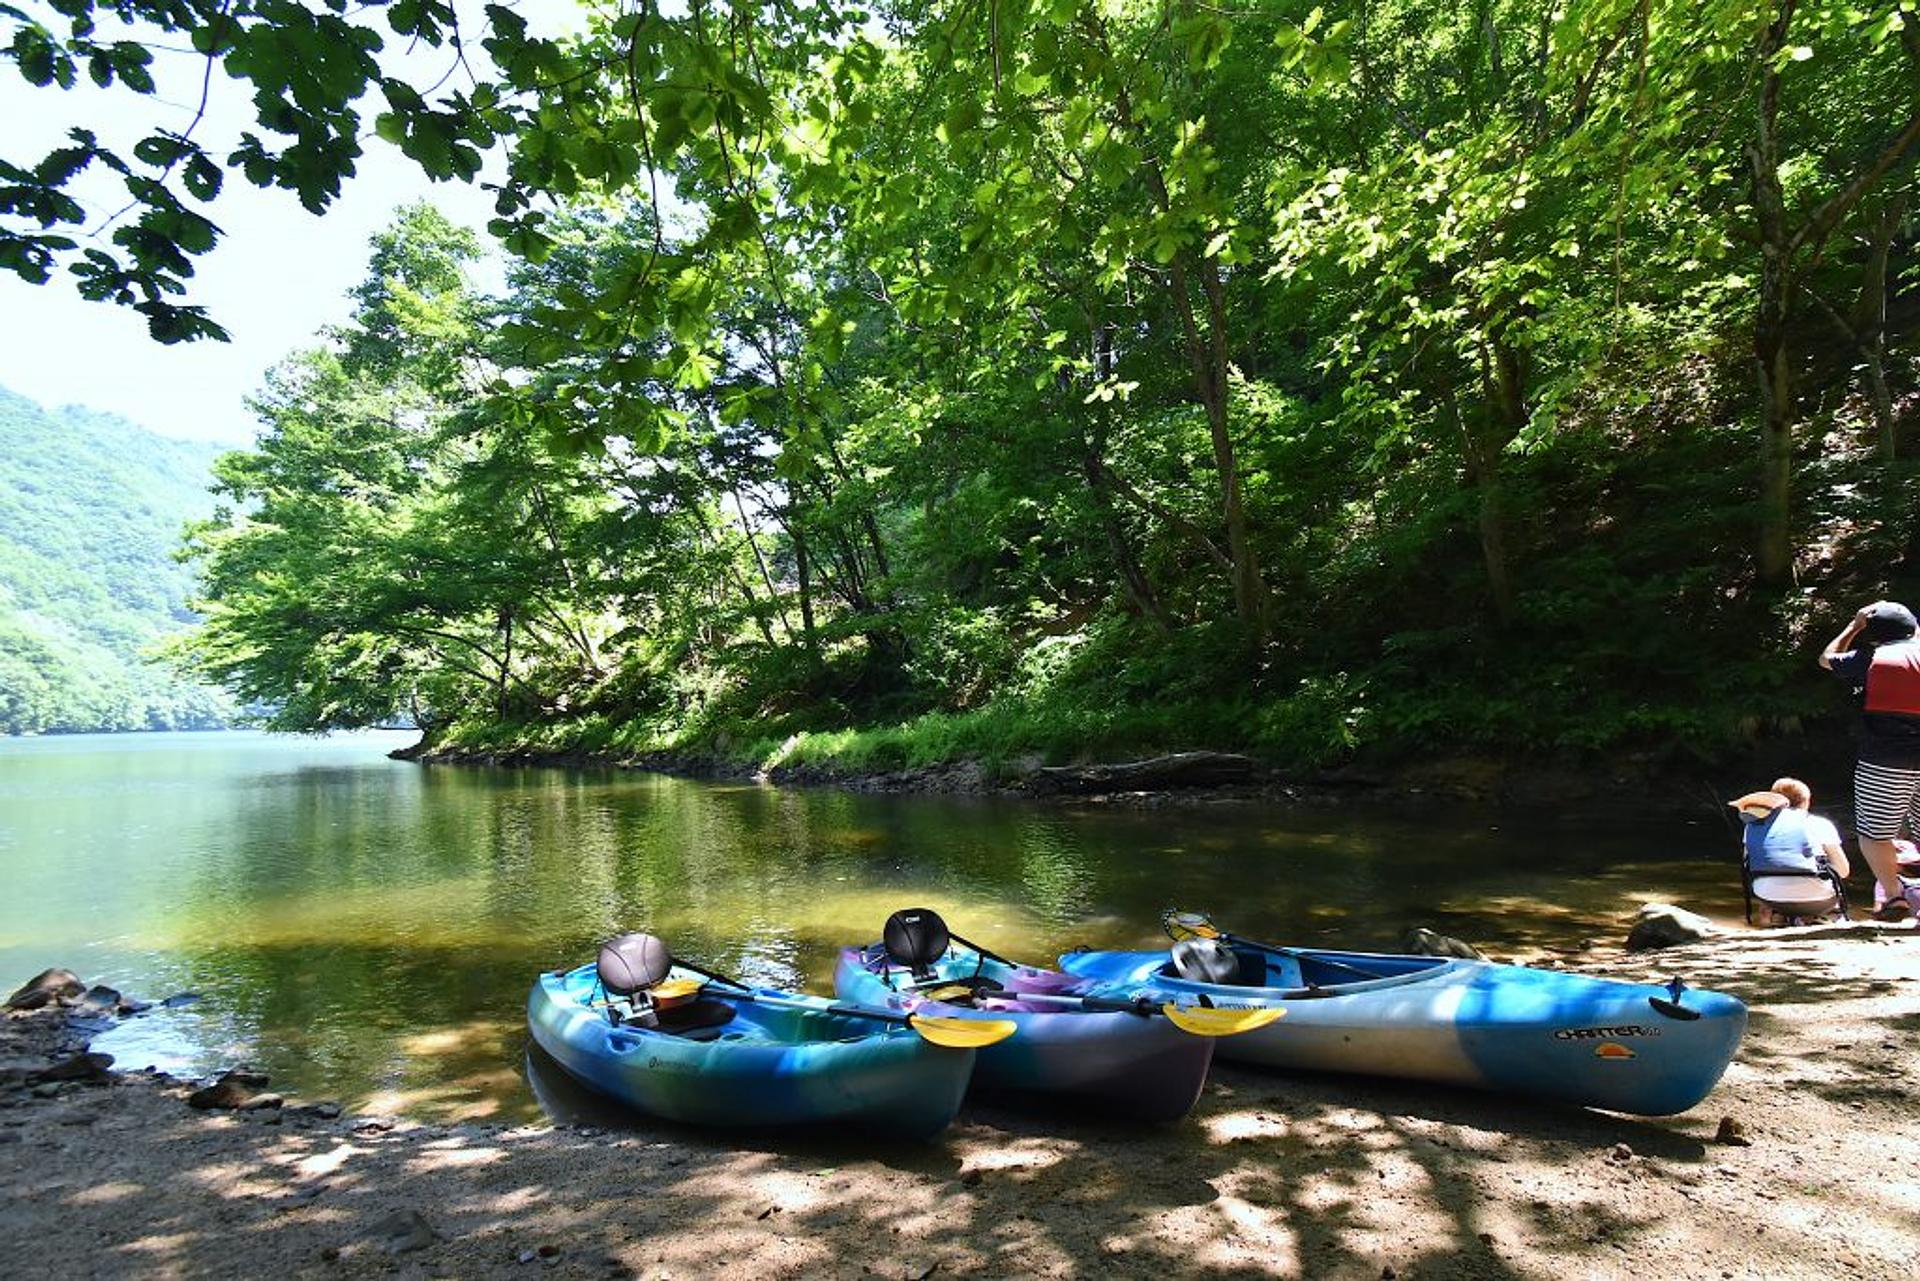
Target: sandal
{"points": [[1898, 909]]}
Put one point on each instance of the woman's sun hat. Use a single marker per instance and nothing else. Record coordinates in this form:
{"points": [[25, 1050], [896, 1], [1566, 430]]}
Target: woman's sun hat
{"points": [[1756, 806]]}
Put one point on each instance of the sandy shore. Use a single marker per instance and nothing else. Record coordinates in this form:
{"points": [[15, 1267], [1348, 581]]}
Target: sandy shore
{"points": [[1273, 1175]]}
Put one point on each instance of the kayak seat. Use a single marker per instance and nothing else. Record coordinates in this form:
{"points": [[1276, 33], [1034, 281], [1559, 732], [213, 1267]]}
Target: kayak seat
{"points": [[696, 1020], [915, 938], [1204, 960], [1253, 968]]}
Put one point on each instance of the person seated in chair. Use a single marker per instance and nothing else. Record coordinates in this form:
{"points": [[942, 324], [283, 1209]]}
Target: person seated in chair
{"points": [[1785, 838], [1822, 837]]}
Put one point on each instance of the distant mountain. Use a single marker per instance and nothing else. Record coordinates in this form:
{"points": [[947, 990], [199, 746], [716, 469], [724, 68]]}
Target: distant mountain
{"points": [[90, 513]]}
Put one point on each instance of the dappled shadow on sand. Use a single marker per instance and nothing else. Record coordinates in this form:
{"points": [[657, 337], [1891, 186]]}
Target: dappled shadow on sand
{"points": [[1288, 1175]]}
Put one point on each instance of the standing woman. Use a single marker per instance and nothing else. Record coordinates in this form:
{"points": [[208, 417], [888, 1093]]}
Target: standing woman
{"points": [[1879, 657]]}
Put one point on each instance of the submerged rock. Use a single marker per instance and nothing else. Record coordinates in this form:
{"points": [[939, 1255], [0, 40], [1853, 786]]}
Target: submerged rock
{"points": [[1664, 925], [47, 987], [236, 1088]]}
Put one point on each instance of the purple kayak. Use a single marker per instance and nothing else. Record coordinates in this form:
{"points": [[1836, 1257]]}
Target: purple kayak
{"points": [[1128, 1061]]}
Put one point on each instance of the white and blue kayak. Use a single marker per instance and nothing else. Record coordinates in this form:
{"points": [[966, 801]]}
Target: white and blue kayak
{"points": [[1627, 1047]]}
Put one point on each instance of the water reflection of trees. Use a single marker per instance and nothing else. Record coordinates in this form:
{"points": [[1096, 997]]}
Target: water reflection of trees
{"points": [[378, 929]]}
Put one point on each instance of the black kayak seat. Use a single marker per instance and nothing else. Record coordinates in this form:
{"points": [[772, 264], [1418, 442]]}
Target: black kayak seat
{"points": [[699, 1020], [1253, 968], [915, 938]]}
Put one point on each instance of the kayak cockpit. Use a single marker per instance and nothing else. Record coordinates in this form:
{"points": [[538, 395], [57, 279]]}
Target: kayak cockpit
{"points": [[702, 1019], [715, 1016], [1310, 973]]}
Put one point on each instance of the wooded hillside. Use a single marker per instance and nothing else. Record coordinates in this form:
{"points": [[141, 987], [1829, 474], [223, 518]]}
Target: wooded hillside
{"points": [[91, 509]]}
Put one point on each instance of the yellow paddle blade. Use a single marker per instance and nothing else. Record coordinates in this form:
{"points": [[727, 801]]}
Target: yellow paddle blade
{"points": [[952, 992], [1202, 1021], [669, 989], [962, 1034]]}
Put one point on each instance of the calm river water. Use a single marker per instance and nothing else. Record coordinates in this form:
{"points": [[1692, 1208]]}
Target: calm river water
{"points": [[366, 929]]}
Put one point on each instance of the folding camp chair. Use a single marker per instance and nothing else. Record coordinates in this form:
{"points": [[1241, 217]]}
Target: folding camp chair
{"points": [[1802, 897]]}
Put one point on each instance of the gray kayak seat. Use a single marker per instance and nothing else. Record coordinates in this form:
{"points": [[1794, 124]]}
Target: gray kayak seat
{"points": [[632, 963], [1211, 961]]}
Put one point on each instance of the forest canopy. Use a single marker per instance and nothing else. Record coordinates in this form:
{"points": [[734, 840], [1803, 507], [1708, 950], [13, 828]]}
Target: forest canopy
{"points": [[906, 381]]}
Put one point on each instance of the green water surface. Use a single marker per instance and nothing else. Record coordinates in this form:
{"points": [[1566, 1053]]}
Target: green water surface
{"points": [[366, 929]]}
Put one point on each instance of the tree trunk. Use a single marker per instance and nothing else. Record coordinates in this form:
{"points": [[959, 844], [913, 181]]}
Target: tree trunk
{"points": [[739, 580], [1509, 402], [1870, 327], [1864, 329], [804, 571], [1775, 552], [766, 576], [506, 664], [1779, 245], [1133, 579], [1093, 464], [1493, 545], [1249, 588], [1771, 361], [1207, 355], [1480, 453]]}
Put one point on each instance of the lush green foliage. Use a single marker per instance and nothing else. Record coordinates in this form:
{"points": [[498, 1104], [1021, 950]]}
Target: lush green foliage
{"points": [[90, 513], [1092, 374]]}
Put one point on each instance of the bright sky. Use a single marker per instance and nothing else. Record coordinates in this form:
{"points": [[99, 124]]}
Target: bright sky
{"points": [[276, 277]]}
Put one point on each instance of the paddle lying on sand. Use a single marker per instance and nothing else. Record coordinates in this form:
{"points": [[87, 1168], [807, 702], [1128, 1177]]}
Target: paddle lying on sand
{"points": [[954, 1034], [1200, 1020]]}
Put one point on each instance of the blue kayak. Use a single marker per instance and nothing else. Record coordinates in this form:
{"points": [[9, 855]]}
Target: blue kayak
{"points": [[1628, 1047], [1125, 1063], [763, 1060]]}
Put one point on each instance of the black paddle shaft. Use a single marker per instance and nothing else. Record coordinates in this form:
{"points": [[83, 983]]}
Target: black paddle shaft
{"points": [[1094, 1004], [742, 992], [991, 956], [1294, 955]]}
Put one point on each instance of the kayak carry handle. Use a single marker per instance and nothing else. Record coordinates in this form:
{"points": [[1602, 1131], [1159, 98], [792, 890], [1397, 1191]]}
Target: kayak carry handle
{"points": [[1670, 1006]]}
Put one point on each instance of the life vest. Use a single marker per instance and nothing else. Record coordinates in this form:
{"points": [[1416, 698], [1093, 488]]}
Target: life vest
{"points": [[1778, 844], [1893, 679]]}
